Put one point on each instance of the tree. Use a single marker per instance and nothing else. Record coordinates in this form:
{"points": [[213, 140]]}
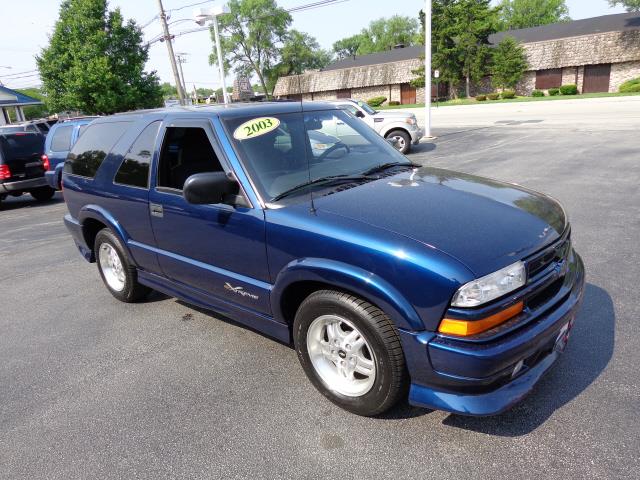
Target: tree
{"points": [[347, 47], [382, 34], [630, 5], [516, 14], [95, 62], [168, 90], [476, 20], [300, 52], [252, 35], [205, 92], [509, 63]]}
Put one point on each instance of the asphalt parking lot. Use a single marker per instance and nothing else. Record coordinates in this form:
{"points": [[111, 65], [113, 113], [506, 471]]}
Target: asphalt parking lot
{"points": [[92, 388]]}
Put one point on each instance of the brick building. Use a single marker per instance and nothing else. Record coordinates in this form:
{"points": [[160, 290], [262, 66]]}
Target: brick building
{"points": [[597, 54]]}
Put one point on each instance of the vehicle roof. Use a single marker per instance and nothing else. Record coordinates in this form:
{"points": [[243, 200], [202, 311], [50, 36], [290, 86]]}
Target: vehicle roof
{"points": [[74, 121], [225, 111]]}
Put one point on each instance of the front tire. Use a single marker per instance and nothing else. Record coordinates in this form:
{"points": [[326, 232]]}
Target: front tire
{"points": [[42, 194], [118, 274], [351, 352], [403, 140]]}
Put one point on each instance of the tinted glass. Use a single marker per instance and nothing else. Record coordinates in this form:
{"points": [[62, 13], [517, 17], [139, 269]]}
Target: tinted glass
{"points": [[92, 147], [82, 129], [185, 151], [308, 147], [134, 169], [21, 146], [61, 141]]}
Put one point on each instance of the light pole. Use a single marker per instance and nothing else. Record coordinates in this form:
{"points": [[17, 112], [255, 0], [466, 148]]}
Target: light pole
{"points": [[427, 69], [182, 58], [201, 16]]}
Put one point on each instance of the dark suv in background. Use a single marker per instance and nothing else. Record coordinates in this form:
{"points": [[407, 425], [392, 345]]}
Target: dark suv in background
{"points": [[22, 166]]}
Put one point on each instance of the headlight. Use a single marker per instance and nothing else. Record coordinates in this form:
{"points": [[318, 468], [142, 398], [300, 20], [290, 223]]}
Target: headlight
{"points": [[411, 121], [490, 287]]}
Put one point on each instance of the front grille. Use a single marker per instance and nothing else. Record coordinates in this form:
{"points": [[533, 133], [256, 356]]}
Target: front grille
{"points": [[552, 255], [547, 293]]}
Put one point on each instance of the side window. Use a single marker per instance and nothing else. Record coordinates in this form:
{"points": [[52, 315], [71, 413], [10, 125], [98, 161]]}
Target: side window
{"points": [[349, 108], [185, 151], [134, 169], [92, 147], [82, 128], [61, 141]]}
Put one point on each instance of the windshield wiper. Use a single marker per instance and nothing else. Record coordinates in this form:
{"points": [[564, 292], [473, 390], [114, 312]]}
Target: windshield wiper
{"points": [[328, 180], [385, 166]]}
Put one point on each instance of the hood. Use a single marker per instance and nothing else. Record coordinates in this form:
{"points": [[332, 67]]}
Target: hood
{"points": [[387, 114], [483, 223]]}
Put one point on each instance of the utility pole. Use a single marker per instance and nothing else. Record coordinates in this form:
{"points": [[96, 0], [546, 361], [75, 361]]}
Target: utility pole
{"points": [[216, 33], [427, 69], [172, 58], [182, 59]]}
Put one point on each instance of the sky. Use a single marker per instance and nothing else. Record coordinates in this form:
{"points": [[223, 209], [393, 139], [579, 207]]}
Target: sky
{"points": [[25, 26]]}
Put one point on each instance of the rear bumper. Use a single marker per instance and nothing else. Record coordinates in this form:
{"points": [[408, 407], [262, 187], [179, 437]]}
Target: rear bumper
{"points": [[22, 185], [53, 178], [487, 378]]}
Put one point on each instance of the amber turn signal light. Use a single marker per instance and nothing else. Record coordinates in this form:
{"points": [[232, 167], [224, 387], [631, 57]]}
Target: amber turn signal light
{"points": [[464, 328]]}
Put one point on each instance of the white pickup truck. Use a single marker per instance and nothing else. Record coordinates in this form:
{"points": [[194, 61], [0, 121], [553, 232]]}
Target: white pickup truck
{"points": [[401, 127]]}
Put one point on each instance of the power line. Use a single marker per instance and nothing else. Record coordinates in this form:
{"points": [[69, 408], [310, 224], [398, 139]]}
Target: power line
{"points": [[17, 73]]}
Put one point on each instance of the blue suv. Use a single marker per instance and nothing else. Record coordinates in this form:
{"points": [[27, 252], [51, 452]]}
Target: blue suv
{"points": [[390, 279], [62, 136]]}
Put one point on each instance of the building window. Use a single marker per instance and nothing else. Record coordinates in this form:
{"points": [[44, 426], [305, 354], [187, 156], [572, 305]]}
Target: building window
{"points": [[550, 78]]}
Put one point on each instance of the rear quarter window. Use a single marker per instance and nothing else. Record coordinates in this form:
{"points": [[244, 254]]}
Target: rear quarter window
{"points": [[61, 141], [92, 147]]}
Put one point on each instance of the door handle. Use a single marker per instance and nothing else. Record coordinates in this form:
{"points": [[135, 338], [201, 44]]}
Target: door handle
{"points": [[156, 210]]}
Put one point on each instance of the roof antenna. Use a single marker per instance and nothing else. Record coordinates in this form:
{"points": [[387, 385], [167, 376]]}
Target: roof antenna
{"points": [[307, 146]]}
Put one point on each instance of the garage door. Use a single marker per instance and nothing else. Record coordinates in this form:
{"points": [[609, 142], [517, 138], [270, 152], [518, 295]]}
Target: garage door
{"points": [[596, 78], [407, 94]]}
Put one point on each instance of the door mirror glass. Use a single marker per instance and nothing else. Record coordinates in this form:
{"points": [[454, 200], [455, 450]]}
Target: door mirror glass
{"points": [[211, 188], [359, 114]]}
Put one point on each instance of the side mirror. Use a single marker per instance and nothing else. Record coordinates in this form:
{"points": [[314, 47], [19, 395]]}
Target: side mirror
{"points": [[359, 114], [211, 188]]}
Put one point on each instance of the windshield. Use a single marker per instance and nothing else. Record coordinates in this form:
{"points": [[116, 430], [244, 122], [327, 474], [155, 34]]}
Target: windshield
{"points": [[287, 150], [365, 106]]}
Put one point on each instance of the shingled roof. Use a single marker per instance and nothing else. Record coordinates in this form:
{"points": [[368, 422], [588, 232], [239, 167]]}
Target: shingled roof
{"points": [[589, 26], [388, 56]]}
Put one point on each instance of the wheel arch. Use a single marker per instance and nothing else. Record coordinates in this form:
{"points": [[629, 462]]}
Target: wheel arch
{"points": [[302, 277], [94, 218]]}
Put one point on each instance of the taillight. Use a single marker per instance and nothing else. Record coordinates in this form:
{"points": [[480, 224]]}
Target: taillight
{"points": [[45, 163], [5, 172]]}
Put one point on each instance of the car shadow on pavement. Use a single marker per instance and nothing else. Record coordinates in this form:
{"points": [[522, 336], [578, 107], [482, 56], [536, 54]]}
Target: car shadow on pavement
{"points": [[27, 201], [588, 353]]}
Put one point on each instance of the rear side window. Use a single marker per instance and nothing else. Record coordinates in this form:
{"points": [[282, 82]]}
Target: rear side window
{"points": [[92, 147], [61, 141], [134, 169], [23, 146]]}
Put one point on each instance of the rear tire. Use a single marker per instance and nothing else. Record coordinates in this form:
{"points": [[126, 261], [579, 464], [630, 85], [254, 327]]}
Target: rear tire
{"points": [[403, 140], [118, 274], [351, 352], [42, 194]]}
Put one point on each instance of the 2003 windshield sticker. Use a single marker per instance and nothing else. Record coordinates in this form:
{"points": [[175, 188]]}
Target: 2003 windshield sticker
{"points": [[256, 127]]}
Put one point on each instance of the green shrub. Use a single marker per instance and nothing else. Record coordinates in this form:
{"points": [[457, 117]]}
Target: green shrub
{"points": [[376, 101], [554, 91], [537, 93], [481, 98], [493, 96], [508, 94], [570, 89], [630, 86], [394, 102]]}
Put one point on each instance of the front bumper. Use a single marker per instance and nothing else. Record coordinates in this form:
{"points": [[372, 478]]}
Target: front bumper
{"points": [[22, 185], [416, 135], [489, 377]]}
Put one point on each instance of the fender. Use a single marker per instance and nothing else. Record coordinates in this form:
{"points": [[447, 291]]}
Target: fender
{"points": [[96, 212], [369, 286]]}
